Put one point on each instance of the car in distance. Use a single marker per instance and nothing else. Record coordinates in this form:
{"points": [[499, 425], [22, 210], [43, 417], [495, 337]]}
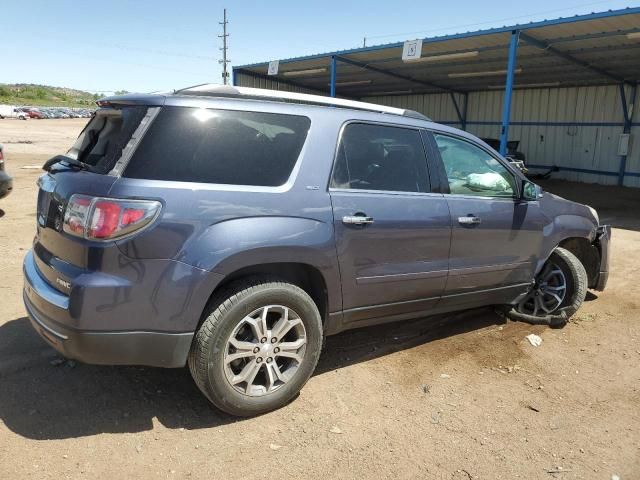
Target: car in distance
{"points": [[6, 182], [232, 229], [33, 112], [10, 111]]}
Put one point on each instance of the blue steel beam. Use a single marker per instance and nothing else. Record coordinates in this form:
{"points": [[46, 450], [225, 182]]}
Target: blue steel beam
{"points": [[625, 108], [334, 73], [628, 119], [506, 108], [569, 58], [382, 71], [478, 33], [465, 109], [455, 104], [549, 41]]}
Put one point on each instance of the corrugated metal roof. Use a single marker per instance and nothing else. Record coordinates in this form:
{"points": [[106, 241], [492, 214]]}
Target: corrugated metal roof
{"points": [[602, 40]]}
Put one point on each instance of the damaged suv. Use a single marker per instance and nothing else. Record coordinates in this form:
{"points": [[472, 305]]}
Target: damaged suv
{"points": [[232, 229]]}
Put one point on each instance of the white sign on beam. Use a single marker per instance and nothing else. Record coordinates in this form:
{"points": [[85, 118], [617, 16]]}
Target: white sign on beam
{"points": [[411, 50], [273, 67]]}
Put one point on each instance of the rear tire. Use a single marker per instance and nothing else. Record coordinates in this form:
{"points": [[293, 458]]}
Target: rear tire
{"points": [[257, 347], [559, 290]]}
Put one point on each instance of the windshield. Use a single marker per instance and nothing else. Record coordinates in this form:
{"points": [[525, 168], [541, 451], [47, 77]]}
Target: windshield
{"points": [[101, 142]]}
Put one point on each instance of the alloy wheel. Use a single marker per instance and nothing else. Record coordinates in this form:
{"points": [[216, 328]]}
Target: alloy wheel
{"points": [[547, 293], [265, 350]]}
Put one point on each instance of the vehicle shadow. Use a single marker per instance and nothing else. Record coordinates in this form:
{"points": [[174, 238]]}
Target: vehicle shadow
{"points": [[43, 397], [40, 399], [365, 344]]}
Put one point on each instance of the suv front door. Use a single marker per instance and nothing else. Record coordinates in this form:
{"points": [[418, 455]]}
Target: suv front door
{"points": [[496, 237], [392, 233]]}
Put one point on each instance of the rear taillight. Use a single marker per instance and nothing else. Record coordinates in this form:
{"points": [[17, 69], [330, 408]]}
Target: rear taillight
{"points": [[99, 218]]}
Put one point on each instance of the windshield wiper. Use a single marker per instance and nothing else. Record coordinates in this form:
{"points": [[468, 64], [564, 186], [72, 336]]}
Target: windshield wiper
{"points": [[72, 162]]}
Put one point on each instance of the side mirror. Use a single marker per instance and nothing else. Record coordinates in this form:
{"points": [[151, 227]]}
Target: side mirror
{"points": [[531, 191]]}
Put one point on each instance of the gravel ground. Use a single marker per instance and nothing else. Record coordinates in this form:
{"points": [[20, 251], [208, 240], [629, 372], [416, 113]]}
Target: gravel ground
{"points": [[451, 397]]}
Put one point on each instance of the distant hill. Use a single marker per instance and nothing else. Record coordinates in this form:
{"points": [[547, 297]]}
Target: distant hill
{"points": [[43, 95]]}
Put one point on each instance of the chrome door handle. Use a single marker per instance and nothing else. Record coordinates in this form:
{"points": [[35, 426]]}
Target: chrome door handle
{"points": [[470, 220], [357, 220]]}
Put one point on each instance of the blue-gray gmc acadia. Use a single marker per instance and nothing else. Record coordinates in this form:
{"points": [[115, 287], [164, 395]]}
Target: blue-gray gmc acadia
{"points": [[231, 229]]}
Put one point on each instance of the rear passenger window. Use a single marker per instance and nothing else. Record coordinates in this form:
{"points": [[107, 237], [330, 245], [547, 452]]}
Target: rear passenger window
{"points": [[220, 146], [377, 157], [100, 144]]}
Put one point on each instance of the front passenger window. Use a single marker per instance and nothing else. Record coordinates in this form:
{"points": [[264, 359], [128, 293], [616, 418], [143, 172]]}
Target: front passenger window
{"points": [[473, 171], [378, 157]]}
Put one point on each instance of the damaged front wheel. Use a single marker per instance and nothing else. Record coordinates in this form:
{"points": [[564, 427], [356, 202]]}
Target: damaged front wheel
{"points": [[557, 293]]}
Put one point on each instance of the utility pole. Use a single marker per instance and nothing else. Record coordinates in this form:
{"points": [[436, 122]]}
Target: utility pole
{"points": [[224, 61]]}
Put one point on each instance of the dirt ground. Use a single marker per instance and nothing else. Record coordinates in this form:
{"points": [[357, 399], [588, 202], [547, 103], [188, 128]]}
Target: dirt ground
{"points": [[458, 397]]}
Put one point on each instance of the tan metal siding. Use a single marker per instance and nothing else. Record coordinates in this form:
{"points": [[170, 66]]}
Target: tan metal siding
{"points": [[438, 106], [592, 147], [243, 80], [633, 160]]}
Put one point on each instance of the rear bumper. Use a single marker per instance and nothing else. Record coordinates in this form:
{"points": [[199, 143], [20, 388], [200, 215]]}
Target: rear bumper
{"points": [[157, 349], [603, 241]]}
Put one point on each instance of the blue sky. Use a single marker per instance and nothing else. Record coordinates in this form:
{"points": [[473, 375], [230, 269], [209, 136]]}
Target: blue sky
{"points": [[147, 45]]}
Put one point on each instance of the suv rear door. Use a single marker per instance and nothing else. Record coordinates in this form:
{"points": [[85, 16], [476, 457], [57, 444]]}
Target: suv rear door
{"points": [[496, 237], [105, 139], [392, 232]]}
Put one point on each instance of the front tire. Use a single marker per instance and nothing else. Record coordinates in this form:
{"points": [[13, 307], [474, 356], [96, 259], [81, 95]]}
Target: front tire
{"points": [[558, 291], [257, 347]]}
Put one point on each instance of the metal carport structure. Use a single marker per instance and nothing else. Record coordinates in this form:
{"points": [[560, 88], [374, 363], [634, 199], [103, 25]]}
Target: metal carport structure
{"points": [[578, 61]]}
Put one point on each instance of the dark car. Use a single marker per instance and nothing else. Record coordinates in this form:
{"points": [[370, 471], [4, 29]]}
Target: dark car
{"points": [[6, 183], [231, 229]]}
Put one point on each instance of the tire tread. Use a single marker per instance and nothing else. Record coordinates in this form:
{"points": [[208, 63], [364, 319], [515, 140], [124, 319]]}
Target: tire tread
{"points": [[214, 318]]}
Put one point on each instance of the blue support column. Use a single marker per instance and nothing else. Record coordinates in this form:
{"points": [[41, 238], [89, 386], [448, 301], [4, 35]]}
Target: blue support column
{"points": [[334, 65], [233, 77], [506, 108], [628, 118]]}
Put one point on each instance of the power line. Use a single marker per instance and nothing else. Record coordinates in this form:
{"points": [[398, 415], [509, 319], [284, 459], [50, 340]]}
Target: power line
{"points": [[128, 48], [224, 61]]}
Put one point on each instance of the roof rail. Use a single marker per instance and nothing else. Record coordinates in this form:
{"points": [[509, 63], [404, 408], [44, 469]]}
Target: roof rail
{"points": [[215, 90]]}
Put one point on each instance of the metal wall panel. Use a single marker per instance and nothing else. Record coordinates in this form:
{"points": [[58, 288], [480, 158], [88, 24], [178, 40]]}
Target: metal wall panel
{"points": [[243, 80], [438, 107], [633, 160], [576, 127]]}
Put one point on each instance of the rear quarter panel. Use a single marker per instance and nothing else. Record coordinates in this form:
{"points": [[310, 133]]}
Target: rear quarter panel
{"points": [[222, 228]]}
